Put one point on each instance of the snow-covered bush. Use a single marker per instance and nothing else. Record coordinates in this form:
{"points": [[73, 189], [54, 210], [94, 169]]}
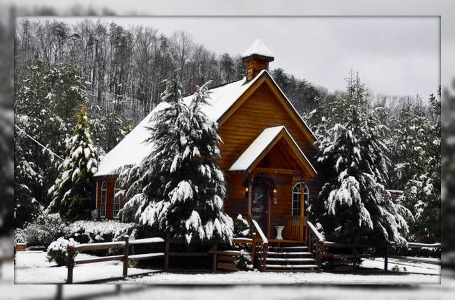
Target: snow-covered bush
{"points": [[96, 232], [44, 230], [19, 236], [241, 227], [244, 262], [57, 251]]}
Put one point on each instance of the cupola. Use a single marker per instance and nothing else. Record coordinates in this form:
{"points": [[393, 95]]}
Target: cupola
{"points": [[256, 59]]}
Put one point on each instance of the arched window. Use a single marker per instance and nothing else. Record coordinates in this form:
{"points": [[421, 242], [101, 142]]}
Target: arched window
{"points": [[116, 201], [296, 197], [103, 200]]}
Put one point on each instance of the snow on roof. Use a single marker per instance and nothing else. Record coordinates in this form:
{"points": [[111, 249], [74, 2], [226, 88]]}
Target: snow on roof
{"points": [[256, 148], [258, 48], [130, 151], [133, 149]]}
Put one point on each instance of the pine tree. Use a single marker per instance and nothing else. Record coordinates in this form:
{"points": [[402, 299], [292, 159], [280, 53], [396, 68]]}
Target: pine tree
{"points": [[355, 200], [422, 194], [73, 186], [46, 101], [178, 187]]}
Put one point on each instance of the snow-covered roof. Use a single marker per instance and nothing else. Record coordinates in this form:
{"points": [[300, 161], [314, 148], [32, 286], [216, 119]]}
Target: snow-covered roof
{"points": [[132, 149], [259, 146], [258, 48], [256, 148]]}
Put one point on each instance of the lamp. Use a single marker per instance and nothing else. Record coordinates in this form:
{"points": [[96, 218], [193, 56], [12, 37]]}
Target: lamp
{"points": [[275, 200]]}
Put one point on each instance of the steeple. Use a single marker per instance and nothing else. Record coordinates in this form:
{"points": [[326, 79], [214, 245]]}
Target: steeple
{"points": [[256, 59]]}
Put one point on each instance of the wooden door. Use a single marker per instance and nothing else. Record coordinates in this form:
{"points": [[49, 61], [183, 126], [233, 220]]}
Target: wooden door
{"points": [[260, 203]]}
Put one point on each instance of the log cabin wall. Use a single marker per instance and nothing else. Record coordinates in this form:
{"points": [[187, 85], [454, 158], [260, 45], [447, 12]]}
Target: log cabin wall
{"points": [[260, 111], [236, 201]]}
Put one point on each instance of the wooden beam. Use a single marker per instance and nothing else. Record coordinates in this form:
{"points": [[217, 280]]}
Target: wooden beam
{"points": [[277, 171]]}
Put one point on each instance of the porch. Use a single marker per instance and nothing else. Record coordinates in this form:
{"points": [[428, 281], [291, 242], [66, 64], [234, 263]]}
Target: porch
{"points": [[271, 175]]}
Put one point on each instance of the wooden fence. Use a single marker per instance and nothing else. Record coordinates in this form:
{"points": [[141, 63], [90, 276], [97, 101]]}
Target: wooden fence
{"points": [[325, 249], [125, 257]]}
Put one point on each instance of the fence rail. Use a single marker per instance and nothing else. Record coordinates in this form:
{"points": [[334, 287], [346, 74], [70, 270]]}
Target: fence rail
{"points": [[125, 257]]}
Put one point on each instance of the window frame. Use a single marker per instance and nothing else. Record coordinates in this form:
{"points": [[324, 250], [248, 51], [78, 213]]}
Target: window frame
{"points": [[103, 204], [295, 193], [116, 201]]}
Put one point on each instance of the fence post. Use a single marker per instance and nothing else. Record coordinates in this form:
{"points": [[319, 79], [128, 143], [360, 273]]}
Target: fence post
{"points": [[215, 258], [166, 256], [386, 257], [70, 250], [125, 258]]}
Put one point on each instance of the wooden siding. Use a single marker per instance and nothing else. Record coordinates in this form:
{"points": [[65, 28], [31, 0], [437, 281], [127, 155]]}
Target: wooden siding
{"points": [[259, 111], [263, 108]]}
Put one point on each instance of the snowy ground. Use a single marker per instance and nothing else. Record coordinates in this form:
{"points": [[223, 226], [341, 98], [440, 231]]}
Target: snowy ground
{"points": [[32, 267], [238, 285]]}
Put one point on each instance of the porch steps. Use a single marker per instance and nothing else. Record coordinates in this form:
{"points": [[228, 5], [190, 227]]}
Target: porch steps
{"points": [[290, 257]]}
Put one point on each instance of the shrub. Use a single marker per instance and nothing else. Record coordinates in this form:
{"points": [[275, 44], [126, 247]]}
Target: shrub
{"points": [[19, 235], [241, 227], [57, 251], [98, 232], [244, 262], [45, 229]]}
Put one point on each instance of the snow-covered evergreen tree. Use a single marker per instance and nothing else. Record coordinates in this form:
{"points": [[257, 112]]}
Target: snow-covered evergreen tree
{"points": [[45, 103], [72, 189], [356, 200], [422, 193], [178, 187]]}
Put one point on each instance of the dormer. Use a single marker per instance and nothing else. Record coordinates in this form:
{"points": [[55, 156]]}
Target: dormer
{"points": [[256, 59]]}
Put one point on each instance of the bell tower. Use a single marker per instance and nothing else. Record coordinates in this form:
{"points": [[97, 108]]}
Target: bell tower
{"points": [[256, 59]]}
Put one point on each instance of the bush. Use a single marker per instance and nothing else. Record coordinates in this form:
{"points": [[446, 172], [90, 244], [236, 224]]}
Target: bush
{"points": [[44, 230], [57, 251], [19, 235], [244, 262], [241, 227], [98, 232]]}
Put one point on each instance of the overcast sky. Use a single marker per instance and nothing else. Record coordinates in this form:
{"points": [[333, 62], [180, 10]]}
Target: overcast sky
{"points": [[393, 55], [328, 59]]}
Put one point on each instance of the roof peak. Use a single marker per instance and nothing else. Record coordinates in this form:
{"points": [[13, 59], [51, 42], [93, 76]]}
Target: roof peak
{"points": [[258, 48]]}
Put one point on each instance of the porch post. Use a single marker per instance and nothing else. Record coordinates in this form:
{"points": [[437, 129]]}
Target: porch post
{"points": [[302, 207], [250, 194]]}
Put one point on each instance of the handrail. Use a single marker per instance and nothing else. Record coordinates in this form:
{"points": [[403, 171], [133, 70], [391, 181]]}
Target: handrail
{"points": [[314, 242], [259, 251], [315, 231], [259, 230]]}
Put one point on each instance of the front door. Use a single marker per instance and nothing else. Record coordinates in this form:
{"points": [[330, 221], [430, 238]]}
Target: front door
{"points": [[260, 205]]}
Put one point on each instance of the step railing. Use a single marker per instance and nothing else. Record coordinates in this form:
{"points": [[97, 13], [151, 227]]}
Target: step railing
{"points": [[260, 246], [315, 242], [125, 257]]}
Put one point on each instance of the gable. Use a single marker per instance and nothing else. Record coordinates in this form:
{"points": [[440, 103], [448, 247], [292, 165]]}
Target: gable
{"points": [[261, 106], [274, 149], [270, 92]]}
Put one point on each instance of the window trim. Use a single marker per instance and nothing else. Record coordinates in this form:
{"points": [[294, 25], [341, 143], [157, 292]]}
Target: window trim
{"points": [[116, 200], [103, 206], [306, 192]]}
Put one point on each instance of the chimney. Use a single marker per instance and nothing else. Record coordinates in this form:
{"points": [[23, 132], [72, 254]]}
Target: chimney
{"points": [[256, 59]]}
